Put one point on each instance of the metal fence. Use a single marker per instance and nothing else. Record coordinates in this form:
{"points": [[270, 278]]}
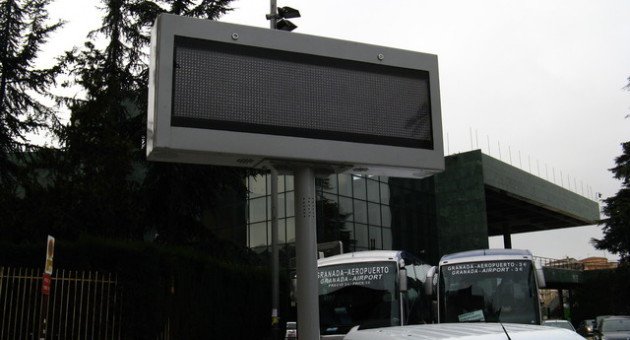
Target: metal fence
{"points": [[567, 263], [81, 305]]}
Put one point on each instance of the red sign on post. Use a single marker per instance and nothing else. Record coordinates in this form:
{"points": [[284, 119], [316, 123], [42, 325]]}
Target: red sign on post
{"points": [[50, 254], [46, 280], [46, 284], [48, 268]]}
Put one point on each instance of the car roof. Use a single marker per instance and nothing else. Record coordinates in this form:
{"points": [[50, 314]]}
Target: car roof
{"points": [[467, 331], [361, 256]]}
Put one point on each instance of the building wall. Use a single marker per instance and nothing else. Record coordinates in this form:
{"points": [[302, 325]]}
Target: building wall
{"points": [[430, 217], [596, 263], [363, 212], [442, 214], [531, 188], [363, 202], [414, 217], [461, 205]]}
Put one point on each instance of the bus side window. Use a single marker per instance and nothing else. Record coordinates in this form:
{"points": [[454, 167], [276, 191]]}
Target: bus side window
{"points": [[414, 300], [417, 305], [410, 296]]}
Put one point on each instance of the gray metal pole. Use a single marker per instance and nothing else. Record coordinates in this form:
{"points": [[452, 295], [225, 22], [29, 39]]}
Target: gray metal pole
{"points": [[275, 263], [306, 255], [273, 10]]}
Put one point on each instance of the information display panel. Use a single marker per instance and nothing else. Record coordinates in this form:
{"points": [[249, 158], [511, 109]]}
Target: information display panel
{"points": [[235, 95]]}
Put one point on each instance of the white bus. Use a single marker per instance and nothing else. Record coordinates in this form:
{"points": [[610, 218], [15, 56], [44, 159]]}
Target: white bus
{"points": [[371, 289], [487, 285]]}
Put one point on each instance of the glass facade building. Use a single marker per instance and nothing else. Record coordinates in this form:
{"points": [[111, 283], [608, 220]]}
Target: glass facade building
{"points": [[364, 212], [476, 196]]}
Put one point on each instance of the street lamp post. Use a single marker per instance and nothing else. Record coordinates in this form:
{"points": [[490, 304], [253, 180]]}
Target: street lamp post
{"points": [[305, 233], [275, 261], [273, 14]]}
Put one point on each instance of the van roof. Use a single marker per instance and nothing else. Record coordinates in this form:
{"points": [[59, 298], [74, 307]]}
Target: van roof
{"points": [[361, 256], [481, 254]]}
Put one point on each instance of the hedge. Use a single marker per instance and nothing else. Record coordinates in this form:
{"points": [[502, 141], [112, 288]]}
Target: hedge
{"points": [[603, 292], [204, 297]]}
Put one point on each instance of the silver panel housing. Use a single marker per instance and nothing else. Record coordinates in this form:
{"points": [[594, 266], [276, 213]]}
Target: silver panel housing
{"points": [[171, 143]]}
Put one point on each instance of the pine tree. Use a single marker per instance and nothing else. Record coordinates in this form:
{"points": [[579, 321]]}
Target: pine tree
{"points": [[616, 226], [24, 29], [114, 191]]}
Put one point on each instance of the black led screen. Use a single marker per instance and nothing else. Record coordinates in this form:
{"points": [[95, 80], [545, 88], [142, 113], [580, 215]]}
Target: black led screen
{"points": [[232, 87]]}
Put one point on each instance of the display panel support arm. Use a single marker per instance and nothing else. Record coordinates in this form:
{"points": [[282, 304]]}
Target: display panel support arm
{"points": [[306, 254]]}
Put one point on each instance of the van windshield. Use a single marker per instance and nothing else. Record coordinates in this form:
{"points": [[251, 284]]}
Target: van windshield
{"points": [[489, 291], [358, 294], [615, 325]]}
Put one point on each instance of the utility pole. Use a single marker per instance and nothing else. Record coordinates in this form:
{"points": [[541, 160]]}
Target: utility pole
{"points": [[275, 261], [302, 228], [273, 14]]}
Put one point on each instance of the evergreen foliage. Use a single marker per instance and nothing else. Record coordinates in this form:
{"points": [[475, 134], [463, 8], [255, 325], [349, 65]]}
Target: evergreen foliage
{"points": [[603, 292], [204, 297], [24, 28], [99, 183], [616, 226], [108, 186]]}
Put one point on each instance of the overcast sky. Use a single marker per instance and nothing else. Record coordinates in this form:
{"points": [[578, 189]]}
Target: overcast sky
{"points": [[541, 80]]}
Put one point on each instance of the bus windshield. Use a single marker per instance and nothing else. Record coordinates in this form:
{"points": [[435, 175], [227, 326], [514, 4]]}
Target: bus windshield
{"points": [[489, 291], [358, 294]]}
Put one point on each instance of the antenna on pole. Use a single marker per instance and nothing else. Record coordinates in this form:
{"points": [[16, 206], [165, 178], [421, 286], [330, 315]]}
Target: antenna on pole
{"points": [[278, 17]]}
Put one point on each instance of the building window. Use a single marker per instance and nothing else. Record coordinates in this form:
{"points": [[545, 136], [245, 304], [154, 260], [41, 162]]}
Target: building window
{"points": [[373, 191], [360, 211], [358, 187], [258, 235], [363, 211], [257, 209]]}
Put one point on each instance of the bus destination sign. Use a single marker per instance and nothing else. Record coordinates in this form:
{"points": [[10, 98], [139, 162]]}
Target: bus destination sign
{"points": [[488, 267], [372, 275]]}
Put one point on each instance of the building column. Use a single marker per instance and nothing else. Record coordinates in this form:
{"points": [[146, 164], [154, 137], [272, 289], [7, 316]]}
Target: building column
{"points": [[507, 236], [570, 318], [561, 301]]}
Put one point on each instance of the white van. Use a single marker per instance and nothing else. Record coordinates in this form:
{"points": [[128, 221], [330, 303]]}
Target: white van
{"points": [[464, 331]]}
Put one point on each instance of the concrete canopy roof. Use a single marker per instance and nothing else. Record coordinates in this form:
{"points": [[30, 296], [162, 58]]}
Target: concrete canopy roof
{"points": [[522, 202]]}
